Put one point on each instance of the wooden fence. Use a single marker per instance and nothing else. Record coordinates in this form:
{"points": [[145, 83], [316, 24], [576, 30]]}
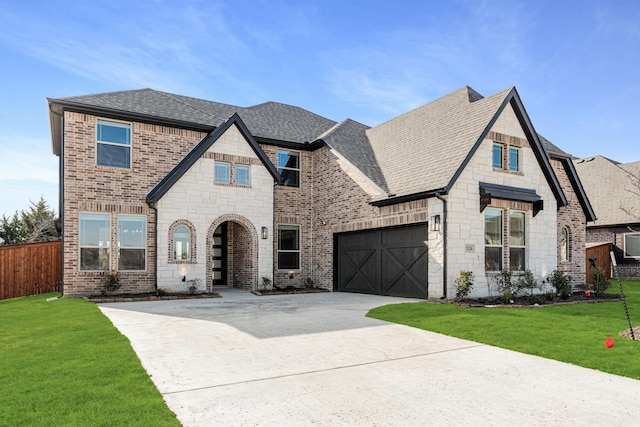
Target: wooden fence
{"points": [[30, 269], [598, 256]]}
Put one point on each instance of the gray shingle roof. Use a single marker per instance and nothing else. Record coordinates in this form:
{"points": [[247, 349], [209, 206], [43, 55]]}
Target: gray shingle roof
{"points": [[421, 150], [606, 183], [269, 120], [349, 138]]}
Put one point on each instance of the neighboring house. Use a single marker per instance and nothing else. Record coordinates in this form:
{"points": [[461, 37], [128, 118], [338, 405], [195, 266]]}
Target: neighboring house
{"points": [[167, 189], [614, 190]]}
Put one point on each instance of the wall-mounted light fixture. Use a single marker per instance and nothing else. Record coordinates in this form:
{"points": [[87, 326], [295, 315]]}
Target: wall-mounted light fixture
{"points": [[435, 223], [290, 274], [184, 278], [264, 233]]}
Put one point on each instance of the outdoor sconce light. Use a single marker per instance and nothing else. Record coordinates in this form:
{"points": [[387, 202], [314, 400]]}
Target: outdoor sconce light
{"points": [[184, 278], [290, 274], [435, 223], [264, 233]]}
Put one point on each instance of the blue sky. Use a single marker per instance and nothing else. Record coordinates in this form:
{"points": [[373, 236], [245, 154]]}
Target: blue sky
{"points": [[574, 63]]}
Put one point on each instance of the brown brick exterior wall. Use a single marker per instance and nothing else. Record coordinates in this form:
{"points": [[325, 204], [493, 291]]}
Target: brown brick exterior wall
{"points": [[90, 188], [627, 268], [572, 217]]}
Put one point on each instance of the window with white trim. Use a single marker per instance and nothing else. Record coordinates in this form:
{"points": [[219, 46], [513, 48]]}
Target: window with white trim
{"points": [[132, 242], [631, 245], [95, 241], [288, 247], [492, 239], [289, 167], [113, 144], [222, 173]]}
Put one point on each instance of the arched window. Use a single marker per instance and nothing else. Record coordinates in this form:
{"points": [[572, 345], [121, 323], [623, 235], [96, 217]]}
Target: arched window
{"points": [[182, 243], [565, 244]]}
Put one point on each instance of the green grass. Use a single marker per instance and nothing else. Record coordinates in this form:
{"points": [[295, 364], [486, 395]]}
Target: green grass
{"points": [[64, 364], [570, 333]]}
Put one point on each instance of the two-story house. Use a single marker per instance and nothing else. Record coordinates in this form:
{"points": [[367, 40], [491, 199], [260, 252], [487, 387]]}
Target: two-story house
{"points": [[166, 189]]}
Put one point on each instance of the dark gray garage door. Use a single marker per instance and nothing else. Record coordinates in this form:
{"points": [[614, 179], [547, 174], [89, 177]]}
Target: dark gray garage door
{"points": [[389, 261]]}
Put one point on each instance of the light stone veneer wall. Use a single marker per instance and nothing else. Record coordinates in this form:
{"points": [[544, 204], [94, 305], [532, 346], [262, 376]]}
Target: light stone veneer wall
{"points": [[466, 222], [195, 198]]}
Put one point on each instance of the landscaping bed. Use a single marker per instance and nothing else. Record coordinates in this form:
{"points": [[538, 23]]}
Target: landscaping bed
{"points": [[150, 296], [288, 291], [537, 300]]}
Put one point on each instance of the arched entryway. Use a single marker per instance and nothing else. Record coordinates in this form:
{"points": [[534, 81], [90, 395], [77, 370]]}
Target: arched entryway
{"points": [[232, 253]]}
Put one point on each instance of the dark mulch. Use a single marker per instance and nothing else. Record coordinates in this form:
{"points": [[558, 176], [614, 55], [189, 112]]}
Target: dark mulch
{"points": [[149, 296], [538, 300], [288, 291]]}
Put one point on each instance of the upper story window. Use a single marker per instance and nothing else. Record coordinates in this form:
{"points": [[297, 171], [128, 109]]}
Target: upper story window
{"points": [[242, 175], [222, 174], [514, 159], [95, 241], [132, 242], [497, 155], [113, 144], [506, 157], [289, 167], [632, 245]]}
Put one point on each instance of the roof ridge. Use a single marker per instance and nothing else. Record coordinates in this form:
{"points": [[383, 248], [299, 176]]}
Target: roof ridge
{"points": [[177, 98], [146, 89], [333, 129]]}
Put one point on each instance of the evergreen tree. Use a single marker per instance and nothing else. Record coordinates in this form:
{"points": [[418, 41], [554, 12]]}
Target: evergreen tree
{"points": [[37, 224]]}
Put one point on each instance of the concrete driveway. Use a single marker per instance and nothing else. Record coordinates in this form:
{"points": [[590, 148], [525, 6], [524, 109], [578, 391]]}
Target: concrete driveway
{"points": [[314, 359]]}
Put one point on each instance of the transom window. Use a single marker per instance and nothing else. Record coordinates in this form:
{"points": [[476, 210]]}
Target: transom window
{"points": [[632, 245], [289, 167], [288, 247], [95, 241], [222, 173], [113, 144], [132, 242], [181, 243]]}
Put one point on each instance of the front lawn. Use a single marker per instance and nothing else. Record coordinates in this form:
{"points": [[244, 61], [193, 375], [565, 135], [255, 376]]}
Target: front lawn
{"points": [[572, 333], [64, 364]]}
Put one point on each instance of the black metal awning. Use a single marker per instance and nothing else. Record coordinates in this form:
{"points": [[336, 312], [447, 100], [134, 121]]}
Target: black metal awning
{"points": [[504, 192]]}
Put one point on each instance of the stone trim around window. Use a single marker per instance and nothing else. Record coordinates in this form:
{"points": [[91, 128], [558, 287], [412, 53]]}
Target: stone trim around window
{"points": [[192, 247], [507, 142]]}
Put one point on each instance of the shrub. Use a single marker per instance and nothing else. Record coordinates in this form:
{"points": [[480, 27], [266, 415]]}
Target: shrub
{"points": [[111, 282], [193, 285], [561, 283], [600, 282], [506, 286], [266, 283], [464, 284], [527, 282], [308, 282]]}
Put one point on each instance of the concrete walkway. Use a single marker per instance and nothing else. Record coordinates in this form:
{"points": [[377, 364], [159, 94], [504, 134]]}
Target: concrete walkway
{"points": [[315, 360]]}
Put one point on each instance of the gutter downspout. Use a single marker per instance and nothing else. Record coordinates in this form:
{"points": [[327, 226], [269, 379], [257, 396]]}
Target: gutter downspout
{"points": [[155, 243], [444, 245]]}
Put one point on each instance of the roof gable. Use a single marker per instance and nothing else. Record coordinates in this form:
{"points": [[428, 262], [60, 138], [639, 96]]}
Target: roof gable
{"points": [[425, 150], [192, 157]]}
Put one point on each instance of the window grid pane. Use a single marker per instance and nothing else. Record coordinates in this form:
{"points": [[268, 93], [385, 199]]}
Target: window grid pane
{"points": [[132, 242], [95, 232], [497, 156], [181, 243], [289, 168], [288, 247], [632, 245], [114, 144]]}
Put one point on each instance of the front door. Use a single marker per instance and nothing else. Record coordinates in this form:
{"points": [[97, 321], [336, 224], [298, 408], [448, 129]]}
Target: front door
{"points": [[219, 256]]}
